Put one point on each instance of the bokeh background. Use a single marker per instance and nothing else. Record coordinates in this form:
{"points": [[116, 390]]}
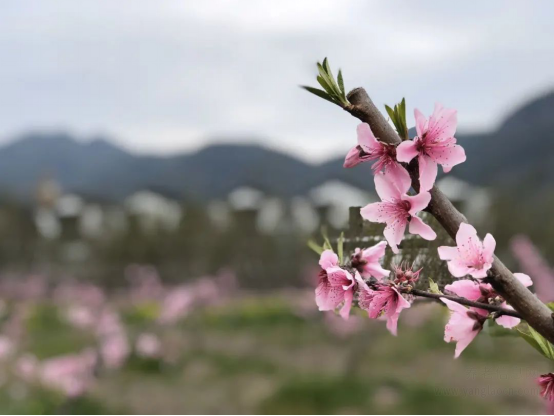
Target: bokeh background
{"points": [[161, 172]]}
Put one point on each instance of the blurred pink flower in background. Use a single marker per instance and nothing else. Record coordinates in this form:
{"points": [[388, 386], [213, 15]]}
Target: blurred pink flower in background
{"points": [[27, 367], [114, 345], [7, 347], [80, 316], [148, 346], [145, 282], [533, 263], [82, 293], [71, 374], [176, 304]]}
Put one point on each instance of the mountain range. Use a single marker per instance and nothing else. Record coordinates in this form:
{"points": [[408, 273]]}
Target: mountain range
{"points": [[519, 153]]}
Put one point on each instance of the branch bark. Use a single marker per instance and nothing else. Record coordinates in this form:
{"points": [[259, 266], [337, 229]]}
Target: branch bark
{"points": [[531, 309]]}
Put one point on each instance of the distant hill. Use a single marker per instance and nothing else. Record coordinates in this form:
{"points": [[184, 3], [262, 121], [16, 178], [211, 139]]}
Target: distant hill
{"points": [[521, 151]]}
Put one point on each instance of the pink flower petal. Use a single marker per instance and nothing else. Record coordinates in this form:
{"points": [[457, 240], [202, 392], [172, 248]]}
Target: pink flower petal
{"points": [[394, 233], [352, 158], [386, 188], [406, 151], [457, 268], [418, 202], [417, 226], [508, 321], [366, 138], [442, 124], [375, 270], [376, 212], [448, 156], [524, 279], [447, 253], [420, 122], [345, 310], [328, 259], [466, 235], [465, 288], [373, 254], [464, 342], [427, 173], [400, 176], [322, 295], [489, 244]]}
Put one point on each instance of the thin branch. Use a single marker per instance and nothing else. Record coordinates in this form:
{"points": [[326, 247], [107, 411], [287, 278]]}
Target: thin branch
{"points": [[536, 313], [463, 301]]}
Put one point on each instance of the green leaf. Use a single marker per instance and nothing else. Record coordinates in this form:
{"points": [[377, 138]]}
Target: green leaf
{"points": [[341, 85], [320, 93], [550, 305], [326, 86], [433, 287], [326, 74], [340, 248], [391, 114], [536, 340], [315, 247], [327, 244]]}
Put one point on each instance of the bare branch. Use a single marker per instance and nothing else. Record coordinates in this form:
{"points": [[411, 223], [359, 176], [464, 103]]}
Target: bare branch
{"points": [[537, 314], [463, 301]]}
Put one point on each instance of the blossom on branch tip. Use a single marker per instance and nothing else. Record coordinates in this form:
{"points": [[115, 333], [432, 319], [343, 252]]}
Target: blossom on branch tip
{"points": [[369, 148], [546, 381], [335, 286], [366, 261], [470, 256], [484, 293], [398, 209], [434, 144], [385, 300], [463, 326]]}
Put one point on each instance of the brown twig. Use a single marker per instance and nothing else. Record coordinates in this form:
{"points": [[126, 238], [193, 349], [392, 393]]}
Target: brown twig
{"points": [[463, 301], [537, 314]]}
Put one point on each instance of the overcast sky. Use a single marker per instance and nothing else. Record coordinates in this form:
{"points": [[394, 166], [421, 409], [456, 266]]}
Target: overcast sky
{"points": [[166, 76]]}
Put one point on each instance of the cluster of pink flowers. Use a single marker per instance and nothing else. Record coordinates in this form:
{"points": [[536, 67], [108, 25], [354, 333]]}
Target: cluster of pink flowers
{"points": [[341, 285], [384, 294], [434, 144]]}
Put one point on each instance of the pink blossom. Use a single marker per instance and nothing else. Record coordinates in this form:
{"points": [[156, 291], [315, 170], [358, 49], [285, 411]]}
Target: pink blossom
{"points": [[6, 347], [386, 300], [398, 209], [463, 326], [484, 293], [369, 148], [335, 286], [470, 256], [176, 305], [533, 263], [72, 374], [27, 367], [434, 144], [366, 261], [148, 346], [546, 381]]}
